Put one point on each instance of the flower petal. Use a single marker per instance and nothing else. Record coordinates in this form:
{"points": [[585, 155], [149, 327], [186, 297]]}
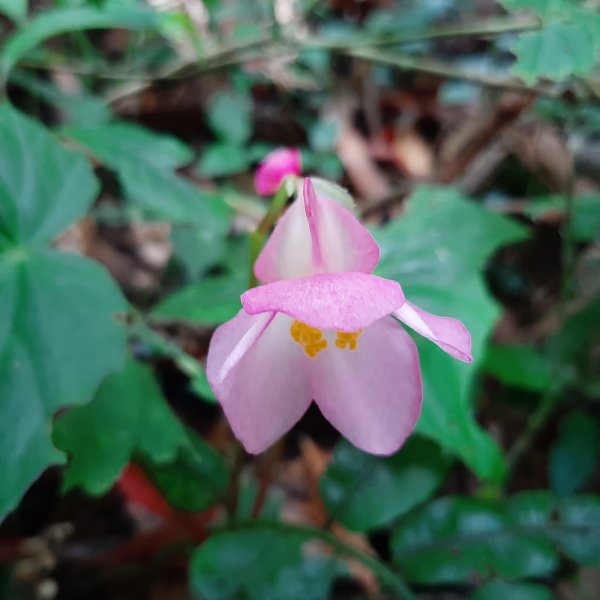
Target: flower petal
{"points": [[316, 235], [272, 170], [372, 394], [334, 301], [256, 372], [449, 334]]}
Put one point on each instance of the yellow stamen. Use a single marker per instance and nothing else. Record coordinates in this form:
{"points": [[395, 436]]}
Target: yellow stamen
{"points": [[347, 340], [310, 338]]}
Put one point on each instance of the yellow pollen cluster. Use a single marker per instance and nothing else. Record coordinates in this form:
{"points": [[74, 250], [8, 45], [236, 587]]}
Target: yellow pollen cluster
{"points": [[347, 340], [309, 337]]}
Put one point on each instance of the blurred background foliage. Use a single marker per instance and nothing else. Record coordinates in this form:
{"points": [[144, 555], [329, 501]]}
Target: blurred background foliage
{"points": [[469, 133]]}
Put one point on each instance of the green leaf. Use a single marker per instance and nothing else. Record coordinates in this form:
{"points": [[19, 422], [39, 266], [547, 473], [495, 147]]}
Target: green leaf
{"points": [[195, 480], [50, 186], [78, 109], [62, 342], [58, 333], [555, 52], [118, 142], [575, 454], [585, 223], [50, 23], [440, 270], [14, 9], [230, 118], [243, 564], [456, 539], [503, 590], [523, 367], [144, 162], [211, 301], [220, 160], [127, 415], [365, 492]]}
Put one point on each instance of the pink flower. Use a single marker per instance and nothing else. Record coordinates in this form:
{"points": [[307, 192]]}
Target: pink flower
{"points": [[272, 170], [321, 328]]}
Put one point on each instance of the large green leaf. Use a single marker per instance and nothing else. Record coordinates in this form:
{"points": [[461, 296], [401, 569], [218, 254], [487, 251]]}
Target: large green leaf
{"points": [[63, 342], [456, 539], [437, 252], [62, 20], [365, 492], [127, 415], [49, 187], [58, 333]]}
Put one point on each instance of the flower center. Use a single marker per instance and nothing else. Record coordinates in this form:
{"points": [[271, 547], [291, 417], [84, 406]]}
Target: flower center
{"points": [[313, 340], [347, 340], [309, 337]]}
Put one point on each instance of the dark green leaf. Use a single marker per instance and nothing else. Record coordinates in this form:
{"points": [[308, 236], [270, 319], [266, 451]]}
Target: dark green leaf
{"points": [[574, 456], [195, 480], [244, 564], [127, 415], [437, 251], [230, 118], [454, 539], [519, 366], [503, 590], [220, 160], [51, 187], [365, 492], [58, 333]]}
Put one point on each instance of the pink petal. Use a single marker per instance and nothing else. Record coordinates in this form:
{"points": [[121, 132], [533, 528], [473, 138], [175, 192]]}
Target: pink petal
{"points": [[256, 372], [334, 301], [316, 235], [449, 334], [273, 169], [373, 394]]}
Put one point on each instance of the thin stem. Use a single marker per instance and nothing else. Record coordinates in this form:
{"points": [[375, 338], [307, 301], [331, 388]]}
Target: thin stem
{"points": [[440, 69], [550, 398], [383, 572]]}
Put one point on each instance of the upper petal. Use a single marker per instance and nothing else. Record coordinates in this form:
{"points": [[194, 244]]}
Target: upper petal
{"points": [[372, 394], [335, 301], [449, 334], [277, 165], [316, 235], [256, 372]]}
